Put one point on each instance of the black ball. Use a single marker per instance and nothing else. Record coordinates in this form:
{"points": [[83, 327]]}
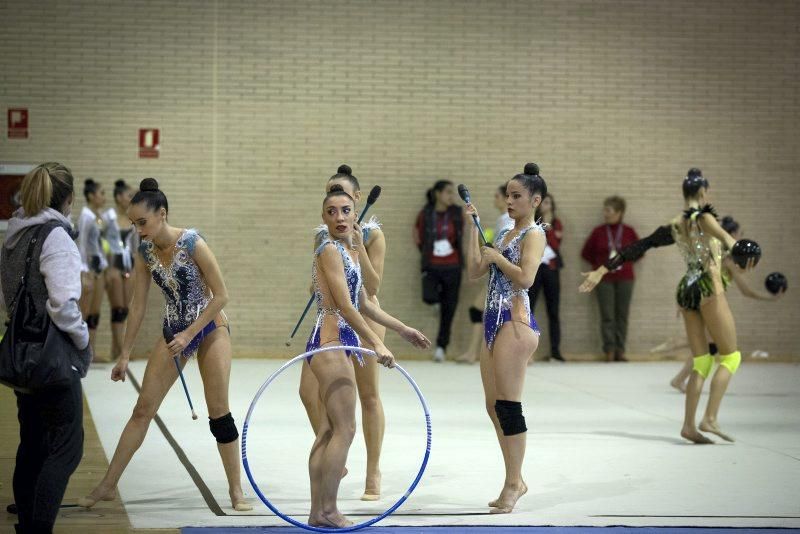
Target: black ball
{"points": [[775, 283], [745, 250]]}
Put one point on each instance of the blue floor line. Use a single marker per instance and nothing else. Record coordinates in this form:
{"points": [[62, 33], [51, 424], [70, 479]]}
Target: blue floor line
{"points": [[494, 529]]}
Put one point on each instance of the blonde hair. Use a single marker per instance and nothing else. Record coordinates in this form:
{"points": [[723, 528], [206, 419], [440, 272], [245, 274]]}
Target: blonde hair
{"points": [[48, 185]]}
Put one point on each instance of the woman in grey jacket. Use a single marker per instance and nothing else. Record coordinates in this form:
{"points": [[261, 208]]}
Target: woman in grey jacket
{"points": [[51, 421]]}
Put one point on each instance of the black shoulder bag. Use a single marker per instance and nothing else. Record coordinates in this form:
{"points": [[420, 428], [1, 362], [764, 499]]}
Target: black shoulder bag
{"points": [[34, 353]]}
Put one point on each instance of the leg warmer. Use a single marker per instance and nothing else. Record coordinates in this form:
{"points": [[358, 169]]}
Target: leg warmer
{"points": [[703, 364]]}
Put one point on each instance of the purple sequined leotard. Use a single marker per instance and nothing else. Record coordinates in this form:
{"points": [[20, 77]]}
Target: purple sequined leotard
{"points": [[185, 292], [501, 295], [352, 274]]}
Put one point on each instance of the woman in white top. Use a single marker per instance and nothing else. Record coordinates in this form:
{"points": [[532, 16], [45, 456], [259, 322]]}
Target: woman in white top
{"points": [[93, 259]]}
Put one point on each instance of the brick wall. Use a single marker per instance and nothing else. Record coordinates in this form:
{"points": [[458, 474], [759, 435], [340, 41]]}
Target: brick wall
{"points": [[259, 102]]}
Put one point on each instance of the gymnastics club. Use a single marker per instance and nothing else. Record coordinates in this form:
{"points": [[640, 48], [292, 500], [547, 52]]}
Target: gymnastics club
{"points": [[371, 199], [463, 192], [168, 337]]}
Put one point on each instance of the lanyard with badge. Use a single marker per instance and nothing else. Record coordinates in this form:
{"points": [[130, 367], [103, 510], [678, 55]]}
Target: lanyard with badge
{"points": [[614, 244], [442, 246]]}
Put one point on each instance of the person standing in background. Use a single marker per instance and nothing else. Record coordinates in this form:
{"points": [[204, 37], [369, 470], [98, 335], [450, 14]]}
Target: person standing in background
{"points": [[615, 291], [93, 257], [437, 234], [123, 243], [547, 277], [50, 419]]}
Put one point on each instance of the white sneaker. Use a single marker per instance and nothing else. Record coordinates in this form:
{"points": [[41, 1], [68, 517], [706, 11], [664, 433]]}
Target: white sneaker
{"points": [[438, 355]]}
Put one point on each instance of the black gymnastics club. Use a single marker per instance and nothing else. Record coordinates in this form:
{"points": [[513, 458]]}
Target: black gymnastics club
{"points": [[463, 192], [371, 199], [168, 337]]}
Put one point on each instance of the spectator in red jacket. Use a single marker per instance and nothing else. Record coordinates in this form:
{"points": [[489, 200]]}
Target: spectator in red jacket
{"points": [[437, 234], [547, 279], [615, 291]]}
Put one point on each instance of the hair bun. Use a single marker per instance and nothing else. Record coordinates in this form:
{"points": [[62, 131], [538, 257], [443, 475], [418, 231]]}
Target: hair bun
{"points": [[148, 184], [89, 181], [344, 169], [531, 169], [120, 183], [694, 171]]}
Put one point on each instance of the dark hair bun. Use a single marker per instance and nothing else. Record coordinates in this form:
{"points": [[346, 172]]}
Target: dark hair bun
{"points": [[336, 187], [89, 182], [344, 169], [531, 169], [148, 184], [120, 183], [694, 171]]}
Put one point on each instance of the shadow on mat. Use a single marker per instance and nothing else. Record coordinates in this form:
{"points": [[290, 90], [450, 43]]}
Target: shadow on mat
{"points": [[639, 437]]}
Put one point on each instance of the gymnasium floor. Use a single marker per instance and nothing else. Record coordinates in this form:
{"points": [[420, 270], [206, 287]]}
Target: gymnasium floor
{"points": [[603, 450]]}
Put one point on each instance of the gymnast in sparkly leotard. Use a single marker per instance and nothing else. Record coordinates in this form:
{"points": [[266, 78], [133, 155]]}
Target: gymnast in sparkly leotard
{"points": [[511, 333], [93, 259], [341, 301], [123, 242], [183, 266], [371, 254]]}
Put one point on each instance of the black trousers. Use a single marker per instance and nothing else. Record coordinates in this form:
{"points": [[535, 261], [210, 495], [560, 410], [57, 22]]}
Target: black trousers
{"points": [[547, 281], [50, 449], [448, 282]]}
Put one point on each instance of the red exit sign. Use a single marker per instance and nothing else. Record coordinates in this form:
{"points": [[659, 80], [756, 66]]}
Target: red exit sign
{"points": [[149, 143], [17, 123]]}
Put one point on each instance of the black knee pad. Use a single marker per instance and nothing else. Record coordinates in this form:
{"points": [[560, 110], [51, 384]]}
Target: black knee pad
{"points": [[475, 315], [509, 413], [223, 428], [712, 349], [118, 315], [92, 321]]}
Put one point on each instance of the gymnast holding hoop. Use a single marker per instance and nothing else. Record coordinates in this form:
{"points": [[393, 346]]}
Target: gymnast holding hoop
{"points": [[371, 245], [341, 301]]}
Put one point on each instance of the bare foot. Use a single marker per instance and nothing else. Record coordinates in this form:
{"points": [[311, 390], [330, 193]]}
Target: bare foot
{"points": [[238, 502], [494, 503], [693, 435], [100, 493], [333, 519], [508, 498], [707, 426], [678, 384], [372, 488]]}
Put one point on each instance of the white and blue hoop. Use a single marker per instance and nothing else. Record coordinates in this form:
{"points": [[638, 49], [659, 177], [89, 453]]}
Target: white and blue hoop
{"points": [[358, 526]]}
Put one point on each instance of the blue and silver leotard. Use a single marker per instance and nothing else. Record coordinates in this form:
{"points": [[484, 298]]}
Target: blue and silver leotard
{"points": [[504, 302], [352, 274], [186, 294]]}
